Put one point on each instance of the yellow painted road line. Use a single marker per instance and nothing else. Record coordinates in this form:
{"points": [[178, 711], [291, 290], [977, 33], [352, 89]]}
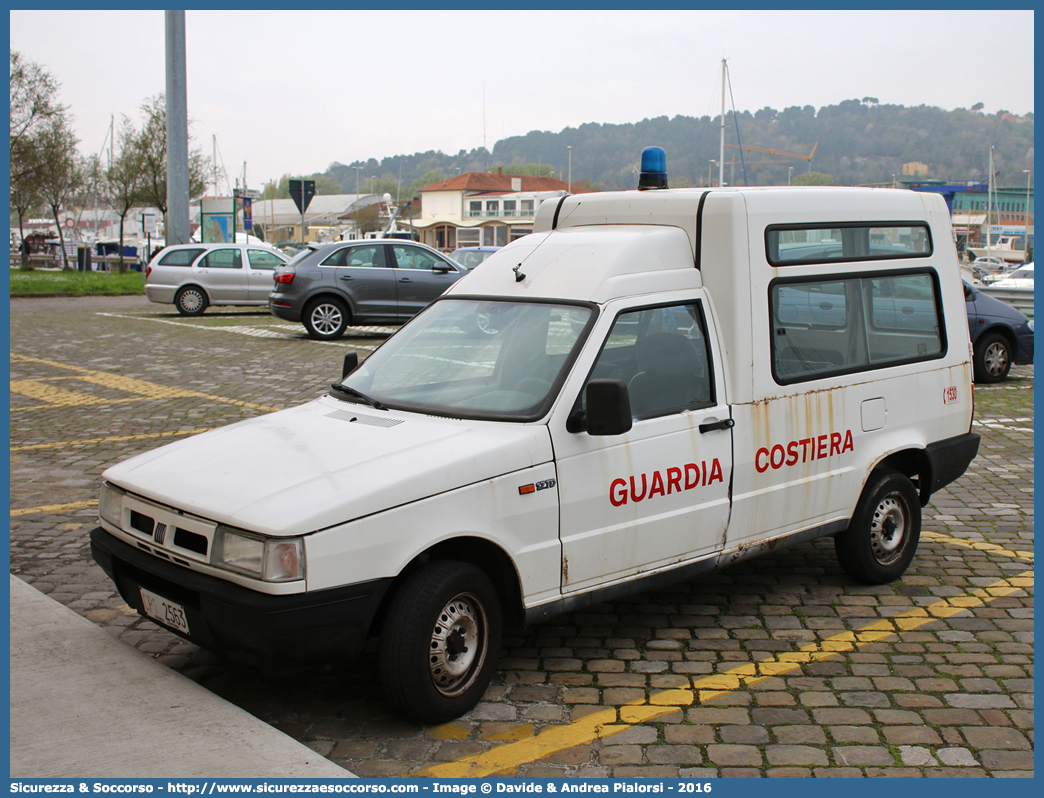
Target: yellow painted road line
{"points": [[140, 387], [981, 545], [48, 509], [53, 395], [113, 439], [613, 720]]}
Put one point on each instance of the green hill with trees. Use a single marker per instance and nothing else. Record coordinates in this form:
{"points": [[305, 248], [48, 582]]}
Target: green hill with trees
{"points": [[860, 142]]}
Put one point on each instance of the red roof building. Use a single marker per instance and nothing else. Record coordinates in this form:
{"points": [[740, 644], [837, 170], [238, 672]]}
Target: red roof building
{"points": [[483, 209]]}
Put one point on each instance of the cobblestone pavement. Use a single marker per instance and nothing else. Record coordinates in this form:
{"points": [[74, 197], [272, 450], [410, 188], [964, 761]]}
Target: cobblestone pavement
{"points": [[778, 667]]}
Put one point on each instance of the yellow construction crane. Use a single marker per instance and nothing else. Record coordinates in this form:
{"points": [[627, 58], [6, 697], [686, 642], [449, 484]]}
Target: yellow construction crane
{"points": [[749, 148]]}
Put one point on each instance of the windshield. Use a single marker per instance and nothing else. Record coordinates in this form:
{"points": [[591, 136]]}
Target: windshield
{"points": [[476, 358], [470, 258]]}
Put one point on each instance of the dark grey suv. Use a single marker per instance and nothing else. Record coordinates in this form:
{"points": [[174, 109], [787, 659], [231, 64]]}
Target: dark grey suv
{"points": [[373, 281]]}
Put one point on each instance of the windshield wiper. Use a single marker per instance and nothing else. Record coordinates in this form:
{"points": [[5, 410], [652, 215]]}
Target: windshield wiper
{"points": [[336, 386]]}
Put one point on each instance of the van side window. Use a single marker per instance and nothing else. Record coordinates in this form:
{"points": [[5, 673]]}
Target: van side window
{"points": [[789, 246], [829, 325], [662, 355], [180, 257]]}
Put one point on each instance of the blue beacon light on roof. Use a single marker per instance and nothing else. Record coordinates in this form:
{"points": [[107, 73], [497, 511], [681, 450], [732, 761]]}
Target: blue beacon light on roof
{"points": [[654, 169]]}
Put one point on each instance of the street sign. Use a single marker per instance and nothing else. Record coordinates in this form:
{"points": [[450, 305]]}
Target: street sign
{"points": [[302, 192], [148, 223], [247, 193]]}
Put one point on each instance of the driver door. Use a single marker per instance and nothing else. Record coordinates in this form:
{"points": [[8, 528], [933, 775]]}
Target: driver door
{"points": [[658, 495]]}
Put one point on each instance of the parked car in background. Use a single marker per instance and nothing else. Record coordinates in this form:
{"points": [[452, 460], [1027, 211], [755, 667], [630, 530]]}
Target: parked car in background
{"points": [[1022, 277], [1000, 335], [993, 264], [380, 281], [470, 257], [194, 276]]}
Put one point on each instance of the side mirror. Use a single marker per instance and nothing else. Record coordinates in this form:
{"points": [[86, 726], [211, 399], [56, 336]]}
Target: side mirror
{"points": [[608, 407], [441, 268], [351, 363]]}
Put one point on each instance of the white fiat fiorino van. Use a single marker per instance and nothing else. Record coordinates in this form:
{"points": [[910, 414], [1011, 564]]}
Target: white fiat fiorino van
{"points": [[652, 385]]}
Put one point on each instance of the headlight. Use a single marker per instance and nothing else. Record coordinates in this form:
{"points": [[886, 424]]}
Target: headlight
{"points": [[110, 505], [1031, 325], [270, 559]]}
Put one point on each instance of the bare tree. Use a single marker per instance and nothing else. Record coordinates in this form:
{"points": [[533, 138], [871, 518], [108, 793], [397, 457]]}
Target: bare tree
{"points": [[61, 172], [34, 106], [123, 181], [152, 154]]}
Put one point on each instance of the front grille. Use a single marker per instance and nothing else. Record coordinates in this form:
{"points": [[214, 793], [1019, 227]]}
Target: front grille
{"points": [[184, 539], [142, 523]]}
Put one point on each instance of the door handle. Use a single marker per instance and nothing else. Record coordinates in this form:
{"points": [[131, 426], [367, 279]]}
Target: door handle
{"points": [[710, 426], [405, 280], [347, 277]]}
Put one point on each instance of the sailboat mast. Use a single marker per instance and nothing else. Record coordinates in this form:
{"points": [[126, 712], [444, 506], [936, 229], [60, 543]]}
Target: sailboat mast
{"points": [[989, 209], [721, 154]]}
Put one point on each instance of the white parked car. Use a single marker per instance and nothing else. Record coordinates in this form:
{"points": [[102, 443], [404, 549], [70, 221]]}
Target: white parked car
{"points": [[195, 276], [1022, 277]]}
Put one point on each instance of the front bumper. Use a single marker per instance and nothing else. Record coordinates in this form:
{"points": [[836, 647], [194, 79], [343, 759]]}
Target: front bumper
{"points": [[272, 632], [1024, 353]]}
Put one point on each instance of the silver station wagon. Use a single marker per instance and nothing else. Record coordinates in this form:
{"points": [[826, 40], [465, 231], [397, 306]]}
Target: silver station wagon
{"points": [[195, 276]]}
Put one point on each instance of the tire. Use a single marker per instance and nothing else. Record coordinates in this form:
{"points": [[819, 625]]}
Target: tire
{"points": [[993, 358], [440, 641], [191, 300], [326, 319], [882, 536]]}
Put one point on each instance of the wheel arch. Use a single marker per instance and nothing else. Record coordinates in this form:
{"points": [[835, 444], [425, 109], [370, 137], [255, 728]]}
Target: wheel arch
{"points": [[914, 464], [1000, 329], [483, 554], [328, 293], [192, 284]]}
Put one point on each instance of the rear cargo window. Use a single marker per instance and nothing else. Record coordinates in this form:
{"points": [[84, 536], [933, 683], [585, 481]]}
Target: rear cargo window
{"points": [[789, 246], [180, 257], [826, 326]]}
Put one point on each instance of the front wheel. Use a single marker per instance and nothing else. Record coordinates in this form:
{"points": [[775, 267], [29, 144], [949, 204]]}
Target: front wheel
{"points": [[881, 538], [440, 641], [992, 358], [326, 319]]}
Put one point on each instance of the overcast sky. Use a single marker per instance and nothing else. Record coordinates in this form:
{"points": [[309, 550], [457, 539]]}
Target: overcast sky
{"points": [[294, 91]]}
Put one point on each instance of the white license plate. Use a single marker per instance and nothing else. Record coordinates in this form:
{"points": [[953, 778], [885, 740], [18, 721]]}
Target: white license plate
{"points": [[166, 612]]}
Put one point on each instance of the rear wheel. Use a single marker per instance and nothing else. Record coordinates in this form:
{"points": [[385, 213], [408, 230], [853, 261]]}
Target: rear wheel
{"points": [[326, 319], [191, 301], [993, 358], [882, 536], [440, 641]]}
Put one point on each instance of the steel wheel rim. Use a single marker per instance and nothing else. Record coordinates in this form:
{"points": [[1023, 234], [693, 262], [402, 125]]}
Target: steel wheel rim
{"points": [[326, 319], [457, 645], [889, 529], [995, 359], [191, 300]]}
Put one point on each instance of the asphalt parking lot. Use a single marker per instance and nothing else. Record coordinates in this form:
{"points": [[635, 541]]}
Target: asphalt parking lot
{"points": [[777, 667]]}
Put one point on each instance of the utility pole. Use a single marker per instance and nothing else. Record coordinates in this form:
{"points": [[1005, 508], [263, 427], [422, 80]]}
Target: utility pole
{"points": [[177, 222]]}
